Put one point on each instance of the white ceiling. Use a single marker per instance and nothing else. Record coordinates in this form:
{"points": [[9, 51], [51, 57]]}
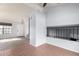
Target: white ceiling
{"points": [[17, 11]]}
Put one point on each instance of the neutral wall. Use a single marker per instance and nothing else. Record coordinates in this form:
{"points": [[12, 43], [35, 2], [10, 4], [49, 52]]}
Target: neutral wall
{"points": [[32, 30], [64, 14], [26, 27], [37, 29], [40, 28]]}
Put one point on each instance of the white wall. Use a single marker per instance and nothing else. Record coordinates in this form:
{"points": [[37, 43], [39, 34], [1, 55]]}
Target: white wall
{"points": [[33, 30], [26, 27], [37, 29], [19, 29], [64, 14], [40, 28]]}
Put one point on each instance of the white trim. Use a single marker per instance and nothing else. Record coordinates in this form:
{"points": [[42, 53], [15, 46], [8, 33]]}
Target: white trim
{"points": [[37, 45]]}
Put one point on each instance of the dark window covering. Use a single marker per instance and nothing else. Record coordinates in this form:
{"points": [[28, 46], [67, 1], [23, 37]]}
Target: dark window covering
{"points": [[66, 32], [8, 24]]}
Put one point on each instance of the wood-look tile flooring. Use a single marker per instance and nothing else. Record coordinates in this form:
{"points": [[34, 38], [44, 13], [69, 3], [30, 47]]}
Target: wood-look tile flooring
{"points": [[25, 49]]}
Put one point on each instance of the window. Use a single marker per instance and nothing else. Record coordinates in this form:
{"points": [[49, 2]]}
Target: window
{"points": [[1, 29], [65, 32], [5, 28]]}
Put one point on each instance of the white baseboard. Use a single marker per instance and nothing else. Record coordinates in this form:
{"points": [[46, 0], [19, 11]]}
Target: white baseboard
{"points": [[37, 45]]}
